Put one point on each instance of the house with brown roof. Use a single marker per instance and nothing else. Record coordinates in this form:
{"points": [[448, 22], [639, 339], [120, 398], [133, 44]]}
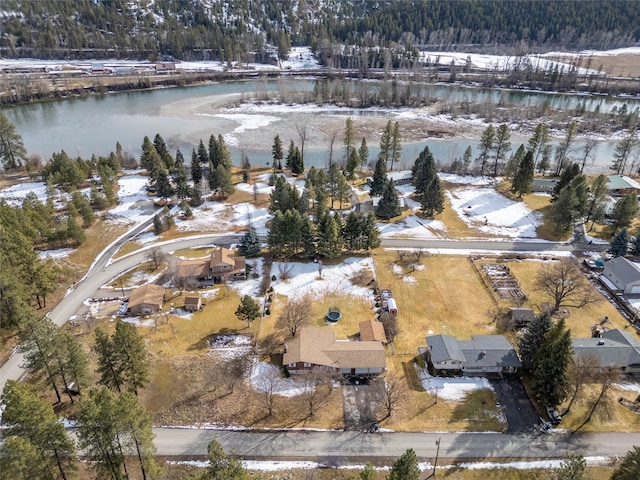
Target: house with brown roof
{"points": [[222, 266], [372, 331], [315, 347], [146, 300], [192, 304]]}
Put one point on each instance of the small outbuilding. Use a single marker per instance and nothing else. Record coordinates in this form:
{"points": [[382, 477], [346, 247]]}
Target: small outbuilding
{"points": [[146, 300], [192, 304], [372, 331], [521, 317]]}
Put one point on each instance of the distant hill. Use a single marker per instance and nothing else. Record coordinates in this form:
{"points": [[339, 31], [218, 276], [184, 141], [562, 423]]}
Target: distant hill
{"points": [[240, 30]]}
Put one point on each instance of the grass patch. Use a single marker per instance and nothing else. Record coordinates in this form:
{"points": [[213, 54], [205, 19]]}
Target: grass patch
{"points": [[446, 296], [127, 248], [580, 320], [194, 253]]}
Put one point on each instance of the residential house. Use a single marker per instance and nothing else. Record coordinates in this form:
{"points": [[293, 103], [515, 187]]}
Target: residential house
{"points": [[520, 317], [614, 348], [622, 185], [192, 304], [315, 347], [372, 331], [544, 185], [621, 275], [222, 266], [146, 300], [481, 354]]}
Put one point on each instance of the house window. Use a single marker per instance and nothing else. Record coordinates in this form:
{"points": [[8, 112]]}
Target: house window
{"points": [[307, 364], [293, 364]]}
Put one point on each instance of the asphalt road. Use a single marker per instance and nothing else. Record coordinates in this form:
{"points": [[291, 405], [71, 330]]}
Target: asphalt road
{"points": [[339, 448]]}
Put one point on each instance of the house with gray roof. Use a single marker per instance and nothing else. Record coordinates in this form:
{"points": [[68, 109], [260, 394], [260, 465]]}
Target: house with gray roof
{"points": [[615, 348], [481, 354], [622, 275]]}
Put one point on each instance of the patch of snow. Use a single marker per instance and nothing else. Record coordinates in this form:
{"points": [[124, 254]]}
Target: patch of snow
{"points": [[250, 286], [134, 204], [304, 278], [59, 253], [490, 212], [138, 322], [286, 387], [15, 194], [466, 179], [628, 386], [261, 188], [412, 227], [451, 388], [225, 217]]}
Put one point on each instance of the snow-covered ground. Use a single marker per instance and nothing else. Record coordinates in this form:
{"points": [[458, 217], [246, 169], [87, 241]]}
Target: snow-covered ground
{"points": [[451, 388], [266, 376], [55, 254], [134, 204]]}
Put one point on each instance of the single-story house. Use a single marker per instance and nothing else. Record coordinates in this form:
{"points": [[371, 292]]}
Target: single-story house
{"points": [[622, 185], [622, 275], [315, 347], [192, 304], [614, 348], [521, 317], [222, 266], [544, 185], [372, 331], [146, 300], [481, 354]]}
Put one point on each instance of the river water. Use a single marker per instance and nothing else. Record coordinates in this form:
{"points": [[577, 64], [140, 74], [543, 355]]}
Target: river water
{"points": [[93, 124]]}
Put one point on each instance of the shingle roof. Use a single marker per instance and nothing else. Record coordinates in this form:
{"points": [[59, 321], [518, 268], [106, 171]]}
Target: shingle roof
{"points": [[522, 314], [372, 330], [445, 347], [193, 268], [489, 351], [625, 270], [191, 300], [609, 353], [319, 346], [222, 256], [149, 294]]}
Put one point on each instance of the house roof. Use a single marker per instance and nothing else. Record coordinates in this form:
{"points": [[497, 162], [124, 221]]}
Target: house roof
{"points": [[372, 330], [544, 182], [192, 300], [193, 268], [625, 270], [622, 337], [488, 351], [148, 294], [621, 182], [319, 346], [222, 256], [522, 314], [608, 351], [445, 347]]}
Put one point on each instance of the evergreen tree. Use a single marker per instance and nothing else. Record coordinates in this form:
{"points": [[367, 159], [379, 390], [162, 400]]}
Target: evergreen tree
{"points": [[249, 245], [424, 171], [487, 145], [352, 163], [223, 181], [532, 337], [214, 152], [537, 144], [222, 466], [196, 168], [629, 467], [363, 152], [514, 162], [466, 160], [248, 310], [277, 153], [523, 179], [386, 142], [203, 155], [549, 382], [598, 194], [432, 202], [296, 165], [368, 472], [329, 236], [12, 152], [389, 205], [283, 197], [564, 210], [85, 210], [161, 148], [21, 460], [163, 186], [36, 428], [348, 138], [148, 151], [574, 467], [396, 146], [623, 150], [620, 244], [307, 237], [158, 226], [624, 211], [581, 189], [406, 467], [502, 147], [379, 178], [290, 154], [635, 245]]}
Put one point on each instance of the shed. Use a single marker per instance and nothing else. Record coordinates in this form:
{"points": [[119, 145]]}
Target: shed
{"points": [[372, 330], [623, 275], [191, 304], [521, 317], [146, 299]]}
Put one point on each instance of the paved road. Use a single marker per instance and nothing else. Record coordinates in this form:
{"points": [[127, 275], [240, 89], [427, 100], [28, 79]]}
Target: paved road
{"points": [[350, 446], [491, 245]]}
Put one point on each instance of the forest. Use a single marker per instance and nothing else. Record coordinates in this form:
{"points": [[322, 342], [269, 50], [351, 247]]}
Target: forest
{"points": [[236, 30]]}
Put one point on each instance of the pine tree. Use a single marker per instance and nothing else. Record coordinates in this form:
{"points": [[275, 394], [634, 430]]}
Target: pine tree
{"points": [[277, 153], [348, 138], [466, 160], [501, 148], [563, 211], [537, 144], [523, 179], [368, 472], [396, 146], [222, 466], [196, 168], [379, 178], [629, 467], [329, 242], [549, 382], [223, 181], [297, 165], [372, 232], [389, 205], [12, 152], [22, 460], [307, 237], [352, 163], [249, 245], [290, 153], [598, 194], [620, 244], [161, 148], [424, 171], [567, 175], [487, 145], [624, 211], [248, 310], [406, 467], [158, 226], [363, 152], [163, 186], [148, 153], [31, 419], [203, 155], [385, 144], [131, 356], [432, 202], [574, 467], [514, 162], [532, 337]]}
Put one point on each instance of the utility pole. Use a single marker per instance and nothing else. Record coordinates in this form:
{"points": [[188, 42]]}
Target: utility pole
{"points": [[435, 463]]}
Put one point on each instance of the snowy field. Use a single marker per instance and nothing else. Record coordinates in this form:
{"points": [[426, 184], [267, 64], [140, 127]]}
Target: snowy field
{"points": [[225, 217], [451, 388], [134, 205]]}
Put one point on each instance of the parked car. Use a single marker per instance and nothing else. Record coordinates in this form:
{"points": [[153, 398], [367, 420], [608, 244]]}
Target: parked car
{"points": [[553, 415]]}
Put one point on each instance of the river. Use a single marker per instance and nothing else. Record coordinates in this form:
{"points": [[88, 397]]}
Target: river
{"points": [[93, 124]]}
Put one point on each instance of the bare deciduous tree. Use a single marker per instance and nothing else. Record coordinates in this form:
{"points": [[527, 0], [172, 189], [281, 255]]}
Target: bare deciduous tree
{"points": [[583, 369], [296, 314], [390, 324], [267, 387], [156, 256], [233, 369], [315, 389], [390, 391], [564, 283], [285, 270], [302, 133], [606, 377]]}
